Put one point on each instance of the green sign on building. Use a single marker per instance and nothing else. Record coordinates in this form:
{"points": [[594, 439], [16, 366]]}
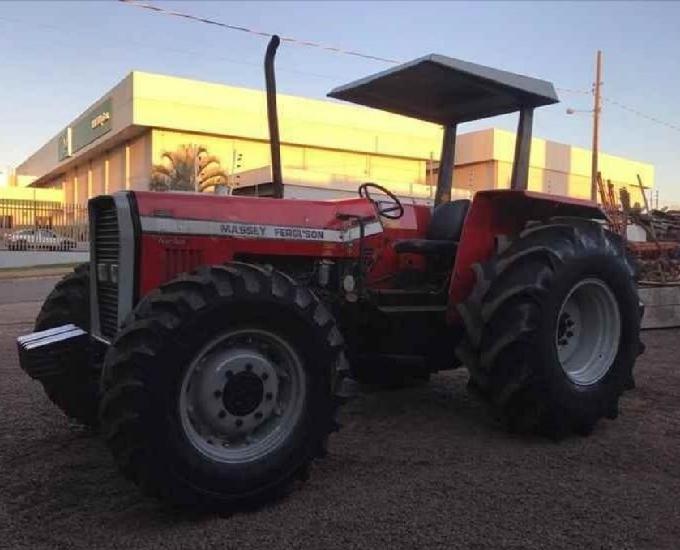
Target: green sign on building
{"points": [[92, 125], [64, 145]]}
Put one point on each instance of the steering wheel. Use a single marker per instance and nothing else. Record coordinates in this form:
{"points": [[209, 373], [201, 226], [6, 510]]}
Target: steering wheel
{"points": [[391, 212]]}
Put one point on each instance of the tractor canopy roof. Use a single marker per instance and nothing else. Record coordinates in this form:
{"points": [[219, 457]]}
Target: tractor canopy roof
{"points": [[447, 91]]}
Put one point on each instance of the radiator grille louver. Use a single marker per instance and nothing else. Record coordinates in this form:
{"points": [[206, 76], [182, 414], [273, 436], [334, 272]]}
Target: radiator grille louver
{"points": [[181, 260], [106, 241]]}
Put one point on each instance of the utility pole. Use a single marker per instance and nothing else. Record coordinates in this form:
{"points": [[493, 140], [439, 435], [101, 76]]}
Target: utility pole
{"points": [[596, 126]]}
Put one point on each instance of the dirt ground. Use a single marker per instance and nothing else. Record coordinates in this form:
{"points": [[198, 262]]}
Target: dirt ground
{"points": [[423, 467]]}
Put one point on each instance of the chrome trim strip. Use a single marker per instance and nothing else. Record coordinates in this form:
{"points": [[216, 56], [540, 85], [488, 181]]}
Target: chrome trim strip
{"points": [[46, 337], [28, 338], [245, 230], [94, 304], [126, 255], [101, 339]]}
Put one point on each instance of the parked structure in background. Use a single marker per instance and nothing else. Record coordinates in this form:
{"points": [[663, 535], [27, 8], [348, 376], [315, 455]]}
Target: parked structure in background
{"points": [[146, 119]]}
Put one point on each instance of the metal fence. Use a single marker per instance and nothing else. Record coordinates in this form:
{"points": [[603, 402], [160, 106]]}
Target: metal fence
{"points": [[42, 225]]}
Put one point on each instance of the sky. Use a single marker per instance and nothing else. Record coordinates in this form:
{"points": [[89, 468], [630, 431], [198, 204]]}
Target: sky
{"points": [[59, 57]]}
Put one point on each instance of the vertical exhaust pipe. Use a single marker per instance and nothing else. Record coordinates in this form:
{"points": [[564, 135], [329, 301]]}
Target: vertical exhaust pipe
{"points": [[272, 117]]}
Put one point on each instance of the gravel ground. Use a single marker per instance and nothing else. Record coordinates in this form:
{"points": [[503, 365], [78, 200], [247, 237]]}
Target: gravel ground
{"points": [[424, 467]]}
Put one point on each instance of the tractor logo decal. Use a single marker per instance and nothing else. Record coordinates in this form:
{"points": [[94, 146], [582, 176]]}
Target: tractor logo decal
{"points": [[243, 230], [299, 233], [173, 226]]}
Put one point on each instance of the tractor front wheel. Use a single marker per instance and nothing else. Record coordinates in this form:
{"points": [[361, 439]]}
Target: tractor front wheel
{"points": [[220, 390], [552, 328], [76, 392]]}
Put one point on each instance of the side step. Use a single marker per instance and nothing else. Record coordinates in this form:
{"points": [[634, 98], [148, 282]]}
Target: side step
{"points": [[409, 300]]}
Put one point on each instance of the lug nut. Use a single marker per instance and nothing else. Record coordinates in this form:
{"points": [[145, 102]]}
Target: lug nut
{"points": [[258, 415], [239, 422], [217, 394], [264, 376], [222, 414], [570, 334], [268, 396]]}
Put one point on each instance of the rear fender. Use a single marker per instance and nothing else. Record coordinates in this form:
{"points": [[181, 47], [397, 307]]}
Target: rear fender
{"points": [[506, 213]]}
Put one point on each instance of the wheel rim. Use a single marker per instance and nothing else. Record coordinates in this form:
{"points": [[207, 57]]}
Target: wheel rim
{"points": [[588, 332], [242, 396]]}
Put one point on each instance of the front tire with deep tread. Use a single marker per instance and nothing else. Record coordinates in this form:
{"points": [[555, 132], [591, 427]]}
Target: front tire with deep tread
{"points": [[511, 317], [76, 392], [145, 365]]}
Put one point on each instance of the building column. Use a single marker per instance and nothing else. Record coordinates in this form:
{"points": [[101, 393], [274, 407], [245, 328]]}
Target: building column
{"points": [[126, 168], [89, 180], [76, 194], [106, 174]]}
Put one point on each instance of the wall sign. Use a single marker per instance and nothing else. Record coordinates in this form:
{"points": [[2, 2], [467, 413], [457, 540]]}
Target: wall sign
{"points": [[64, 145], [91, 126]]}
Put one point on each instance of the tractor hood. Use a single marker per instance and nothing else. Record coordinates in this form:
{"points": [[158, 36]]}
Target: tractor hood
{"points": [[250, 217]]}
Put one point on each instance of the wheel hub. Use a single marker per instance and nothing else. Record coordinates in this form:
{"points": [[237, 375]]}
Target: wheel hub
{"points": [[232, 392], [243, 393], [240, 395], [588, 332]]}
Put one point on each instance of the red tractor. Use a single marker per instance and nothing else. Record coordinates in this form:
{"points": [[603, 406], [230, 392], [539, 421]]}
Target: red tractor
{"points": [[209, 336]]}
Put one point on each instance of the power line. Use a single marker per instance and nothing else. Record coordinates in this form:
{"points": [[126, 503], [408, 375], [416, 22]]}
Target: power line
{"points": [[641, 114], [168, 49], [632, 110], [305, 43], [336, 50], [572, 91]]}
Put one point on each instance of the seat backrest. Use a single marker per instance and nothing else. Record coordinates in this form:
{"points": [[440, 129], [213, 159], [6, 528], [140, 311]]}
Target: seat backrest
{"points": [[447, 220]]}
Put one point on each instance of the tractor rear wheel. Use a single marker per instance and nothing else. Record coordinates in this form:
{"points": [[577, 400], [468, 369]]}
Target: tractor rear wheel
{"points": [[220, 388], [552, 328], [77, 391]]}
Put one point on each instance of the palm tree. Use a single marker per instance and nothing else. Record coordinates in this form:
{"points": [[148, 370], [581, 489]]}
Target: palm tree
{"points": [[188, 168]]}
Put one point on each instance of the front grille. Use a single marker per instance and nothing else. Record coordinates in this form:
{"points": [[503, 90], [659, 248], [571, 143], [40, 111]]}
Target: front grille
{"points": [[106, 245]]}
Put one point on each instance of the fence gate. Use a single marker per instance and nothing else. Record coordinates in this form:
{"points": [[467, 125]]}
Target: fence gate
{"points": [[43, 224]]}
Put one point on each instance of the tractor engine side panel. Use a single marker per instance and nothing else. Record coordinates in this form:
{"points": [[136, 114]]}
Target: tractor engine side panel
{"points": [[164, 256], [179, 232], [182, 231]]}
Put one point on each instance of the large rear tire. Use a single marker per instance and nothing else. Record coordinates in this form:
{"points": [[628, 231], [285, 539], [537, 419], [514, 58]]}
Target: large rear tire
{"points": [[220, 388], [552, 328], [76, 392]]}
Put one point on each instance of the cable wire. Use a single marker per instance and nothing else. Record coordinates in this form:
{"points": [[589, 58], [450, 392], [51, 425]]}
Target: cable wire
{"points": [[334, 49], [632, 110], [641, 114], [290, 40]]}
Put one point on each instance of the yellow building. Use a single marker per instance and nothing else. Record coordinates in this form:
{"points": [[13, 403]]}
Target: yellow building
{"points": [[149, 120]]}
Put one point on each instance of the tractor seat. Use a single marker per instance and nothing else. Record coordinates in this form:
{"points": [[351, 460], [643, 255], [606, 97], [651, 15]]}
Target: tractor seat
{"points": [[443, 232]]}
